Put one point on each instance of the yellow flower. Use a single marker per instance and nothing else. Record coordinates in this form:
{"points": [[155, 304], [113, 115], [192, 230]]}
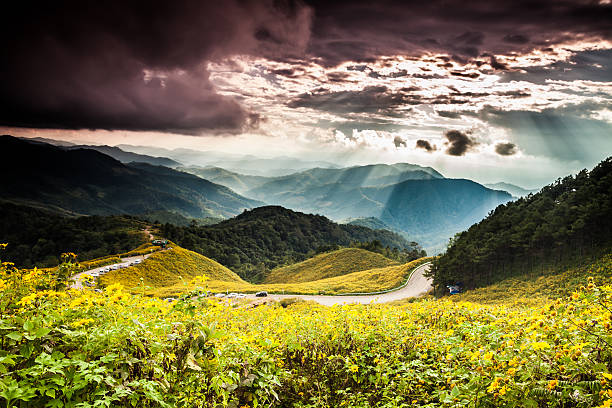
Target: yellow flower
{"points": [[82, 322], [552, 384], [540, 345], [26, 300], [115, 287], [354, 368]]}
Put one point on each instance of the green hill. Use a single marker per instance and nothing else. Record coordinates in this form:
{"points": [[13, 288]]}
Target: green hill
{"points": [[562, 224], [328, 265], [175, 266], [87, 182], [265, 238], [37, 237]]}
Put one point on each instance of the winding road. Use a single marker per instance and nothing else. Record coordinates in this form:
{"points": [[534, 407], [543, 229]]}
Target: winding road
{"points": [[416, 286]]}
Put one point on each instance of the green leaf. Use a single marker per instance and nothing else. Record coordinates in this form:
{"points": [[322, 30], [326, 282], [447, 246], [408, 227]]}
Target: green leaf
{"points": [[15, 336], [29, 326]]}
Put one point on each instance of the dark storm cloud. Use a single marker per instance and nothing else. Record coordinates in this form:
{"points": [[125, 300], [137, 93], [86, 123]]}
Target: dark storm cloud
{"points": [[362, 30], [371, 99], [516, 39], [376, 99], [505, 149], [592, 65], [134, 65], [424, 144], [398, 142], [458, 143]]}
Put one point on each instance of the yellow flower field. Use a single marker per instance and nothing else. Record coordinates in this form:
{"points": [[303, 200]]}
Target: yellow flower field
{"points": [[68, 348]]}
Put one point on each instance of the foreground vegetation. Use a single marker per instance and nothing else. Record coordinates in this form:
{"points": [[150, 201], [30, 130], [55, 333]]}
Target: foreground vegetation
{"points": [[67, 348]]}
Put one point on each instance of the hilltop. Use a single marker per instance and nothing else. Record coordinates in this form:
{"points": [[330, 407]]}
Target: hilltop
{"points": [[264, 238], [175, 266], [329, 265], [87, 182]]}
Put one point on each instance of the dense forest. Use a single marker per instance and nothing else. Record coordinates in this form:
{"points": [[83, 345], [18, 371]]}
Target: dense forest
{"points": [[566, 220], [38, 237], [261, 239]]}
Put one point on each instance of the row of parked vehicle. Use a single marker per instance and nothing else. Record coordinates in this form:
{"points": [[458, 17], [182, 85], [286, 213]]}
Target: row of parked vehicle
{"points": [[109, 268], [234, 295]]}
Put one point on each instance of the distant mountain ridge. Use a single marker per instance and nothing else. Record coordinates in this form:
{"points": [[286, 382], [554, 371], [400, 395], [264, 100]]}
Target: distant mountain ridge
{"points": [[358, 176], [112, 151], [85, 181], [246, 164], [515, 190], [127, 157]]}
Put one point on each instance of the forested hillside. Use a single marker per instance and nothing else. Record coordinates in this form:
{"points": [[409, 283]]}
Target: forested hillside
{"points": [[87, 182], [565, 220], [267, 237], [38, 237]]}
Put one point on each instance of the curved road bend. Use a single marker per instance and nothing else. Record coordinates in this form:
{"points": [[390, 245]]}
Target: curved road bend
{"points": [[78, 277], [417, 285]]}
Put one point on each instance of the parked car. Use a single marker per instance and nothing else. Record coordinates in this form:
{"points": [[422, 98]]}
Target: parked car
{"points": [[240, 296], [219, 295], [137, 261], [232, 295], [263, 293]]}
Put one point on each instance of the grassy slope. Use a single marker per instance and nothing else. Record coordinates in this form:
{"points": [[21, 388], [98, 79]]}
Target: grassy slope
{"points": [[329, 265], [552, 283], [170, 268]]}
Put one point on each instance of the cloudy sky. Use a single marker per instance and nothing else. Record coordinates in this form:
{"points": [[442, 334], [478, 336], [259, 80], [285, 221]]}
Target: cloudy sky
{"points": [[519, 91]]}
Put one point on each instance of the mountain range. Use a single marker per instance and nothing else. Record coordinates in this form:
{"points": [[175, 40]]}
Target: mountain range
{"points": [[85, 181], [414, 200]]}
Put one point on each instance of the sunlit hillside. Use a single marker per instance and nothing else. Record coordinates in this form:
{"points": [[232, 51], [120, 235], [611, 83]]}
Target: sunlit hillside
{"points": [[174, 266], [328, 265]]}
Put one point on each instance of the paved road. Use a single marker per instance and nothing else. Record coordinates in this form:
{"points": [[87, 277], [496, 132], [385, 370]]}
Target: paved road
{"points": [[78, 278], [417, 285]]}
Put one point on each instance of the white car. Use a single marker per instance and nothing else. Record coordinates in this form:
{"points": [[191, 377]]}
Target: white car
{"points": [[219, 295], [232, 295], [137, 261]]}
